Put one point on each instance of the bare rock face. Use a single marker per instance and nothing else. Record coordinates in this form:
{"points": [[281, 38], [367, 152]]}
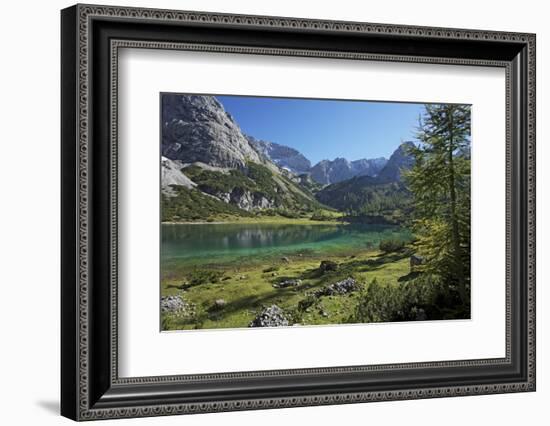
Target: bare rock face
{"points": [[284, 156], [242, 198], [248, 201], [198, 129]]}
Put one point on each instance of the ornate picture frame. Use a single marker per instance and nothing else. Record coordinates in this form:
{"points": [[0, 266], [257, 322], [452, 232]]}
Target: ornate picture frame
{"points": [[91, 37]]}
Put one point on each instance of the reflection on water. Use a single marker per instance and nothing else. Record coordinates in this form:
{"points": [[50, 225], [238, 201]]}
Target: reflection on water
{"points": [[222, 241]]}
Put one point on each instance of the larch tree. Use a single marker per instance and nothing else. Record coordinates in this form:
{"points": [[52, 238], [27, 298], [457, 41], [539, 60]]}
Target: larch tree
{"points": [[440, 184]]}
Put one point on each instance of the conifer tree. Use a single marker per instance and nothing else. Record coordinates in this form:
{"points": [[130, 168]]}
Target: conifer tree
{"points": [[440, 183]]}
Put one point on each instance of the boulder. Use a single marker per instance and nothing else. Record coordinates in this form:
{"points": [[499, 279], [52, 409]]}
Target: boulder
{"points": [[338, 288], [327, 266], [288, 283], [272, 316], [172, 304], [219, 304]]}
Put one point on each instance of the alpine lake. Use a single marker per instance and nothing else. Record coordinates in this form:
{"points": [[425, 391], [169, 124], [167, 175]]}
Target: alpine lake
{"points": [[228, 272]]}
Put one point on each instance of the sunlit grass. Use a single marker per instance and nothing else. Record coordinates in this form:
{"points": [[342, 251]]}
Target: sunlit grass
{"points": [[246, 288]]}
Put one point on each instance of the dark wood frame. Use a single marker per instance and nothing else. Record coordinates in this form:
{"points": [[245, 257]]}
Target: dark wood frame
{"points": [[90, 386]]}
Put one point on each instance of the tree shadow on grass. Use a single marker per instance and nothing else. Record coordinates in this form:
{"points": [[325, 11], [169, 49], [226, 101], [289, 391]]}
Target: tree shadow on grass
{"points": [[376, 263], [409, 277], [252, 303], [185, 286], [311, 280]]}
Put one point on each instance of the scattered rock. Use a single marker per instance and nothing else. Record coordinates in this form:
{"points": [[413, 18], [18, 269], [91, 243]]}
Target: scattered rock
{"points": [[288, 283], [173, 304], [272, 316], [285, 259], [219, 304], [340, 287], [274, 274], [327, 266]]}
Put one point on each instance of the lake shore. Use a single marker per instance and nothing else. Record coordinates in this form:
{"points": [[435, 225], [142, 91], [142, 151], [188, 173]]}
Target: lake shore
{"points": [[260, 220]]}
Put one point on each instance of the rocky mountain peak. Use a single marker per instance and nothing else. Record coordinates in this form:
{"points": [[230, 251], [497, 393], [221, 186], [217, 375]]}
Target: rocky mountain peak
{"points": [[284, 156], [400, 159], [198, 129], [339, 169]]}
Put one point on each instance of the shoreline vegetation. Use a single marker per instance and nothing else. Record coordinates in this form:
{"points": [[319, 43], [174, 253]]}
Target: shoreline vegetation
{"points": [[318, 218], [262, 219], [335, 220]]}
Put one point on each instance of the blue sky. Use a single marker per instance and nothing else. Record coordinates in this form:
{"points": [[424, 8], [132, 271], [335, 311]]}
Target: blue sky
{"points": [[326, 129]]}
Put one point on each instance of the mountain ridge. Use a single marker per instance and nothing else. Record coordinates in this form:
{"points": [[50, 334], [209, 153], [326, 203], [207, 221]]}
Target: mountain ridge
{"points": [[323, 172], [386, 191]]}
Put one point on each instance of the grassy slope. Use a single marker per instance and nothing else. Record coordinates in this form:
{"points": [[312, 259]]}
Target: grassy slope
{"points": [[193, 206], [246, 288], [256, 179]]}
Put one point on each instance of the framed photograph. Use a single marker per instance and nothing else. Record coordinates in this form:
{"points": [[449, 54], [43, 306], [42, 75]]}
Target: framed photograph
{"points": [[263, 212]]}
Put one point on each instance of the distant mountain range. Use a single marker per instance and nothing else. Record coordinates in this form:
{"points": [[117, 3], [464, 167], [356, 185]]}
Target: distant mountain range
{"points": [[208, 159], [327, 172], [324, 172], [284, 156], [339, 169], [382, 192]]}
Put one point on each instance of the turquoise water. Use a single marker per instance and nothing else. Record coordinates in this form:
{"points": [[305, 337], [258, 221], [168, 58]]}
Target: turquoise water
{"points": [[213, 243]]}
